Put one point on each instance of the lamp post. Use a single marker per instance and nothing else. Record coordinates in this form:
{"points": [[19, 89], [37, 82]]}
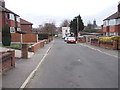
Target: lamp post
{"points": [[77, 27]]}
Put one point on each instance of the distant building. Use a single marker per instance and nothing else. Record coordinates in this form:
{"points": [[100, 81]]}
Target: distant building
{"points": [[111, 24], [92, 26], [65, 32]]}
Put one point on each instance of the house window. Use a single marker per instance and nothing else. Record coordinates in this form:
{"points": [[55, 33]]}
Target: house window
{"points": [[11, 17], [118, 21], [17, 19], [66, 31], [113, 33], [106, 23], [12, 30], [18, 29], [112, 22]]}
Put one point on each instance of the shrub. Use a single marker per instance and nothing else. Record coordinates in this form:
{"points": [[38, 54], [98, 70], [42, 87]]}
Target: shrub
{"points": [[42, 36], [108, 39], [6, 36]]}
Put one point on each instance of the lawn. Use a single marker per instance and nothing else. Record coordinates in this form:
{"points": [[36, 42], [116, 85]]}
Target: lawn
{"points": [[14, 46]]}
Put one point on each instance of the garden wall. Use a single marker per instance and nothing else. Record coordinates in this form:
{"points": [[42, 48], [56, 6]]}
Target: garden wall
{"points": [[7, 60], [114, 45], [40, 44]]}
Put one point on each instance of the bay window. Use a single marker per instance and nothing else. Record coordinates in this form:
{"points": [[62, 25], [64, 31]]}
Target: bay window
{"points": [[118, 21], [12, 29], [106, 23], [18, 29], [11, 17], [17, 19], [112, 22]]}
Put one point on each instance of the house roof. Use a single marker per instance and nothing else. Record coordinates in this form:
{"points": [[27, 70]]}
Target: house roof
{"points": [[24, 22], [2, 9], [113, 16]]}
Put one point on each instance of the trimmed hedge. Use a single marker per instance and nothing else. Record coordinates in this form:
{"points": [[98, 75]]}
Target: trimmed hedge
{"points": [[108, 39], [6, 36], [43, 36]]}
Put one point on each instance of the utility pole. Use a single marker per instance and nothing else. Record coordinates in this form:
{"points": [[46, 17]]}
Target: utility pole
{"points": [[77, 27]]}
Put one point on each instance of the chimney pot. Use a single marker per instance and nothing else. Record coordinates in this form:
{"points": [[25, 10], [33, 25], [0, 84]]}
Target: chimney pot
{"points": [[119, 7], [2, 3]]}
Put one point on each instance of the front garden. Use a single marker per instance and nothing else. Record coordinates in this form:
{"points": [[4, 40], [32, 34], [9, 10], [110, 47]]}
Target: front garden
{"points": [[112, 42]]}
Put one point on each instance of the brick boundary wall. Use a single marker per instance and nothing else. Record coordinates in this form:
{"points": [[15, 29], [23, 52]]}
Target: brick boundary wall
{"points": [[40, 44], [81, 40], [113, 46], [7, 60]]}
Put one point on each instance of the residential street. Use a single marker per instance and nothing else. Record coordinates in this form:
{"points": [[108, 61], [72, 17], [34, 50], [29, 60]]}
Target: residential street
{"points": [[75, 66]]}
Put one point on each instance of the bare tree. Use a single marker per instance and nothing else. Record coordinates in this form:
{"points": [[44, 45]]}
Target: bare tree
{"points": [[49, 28], [65, 23]]}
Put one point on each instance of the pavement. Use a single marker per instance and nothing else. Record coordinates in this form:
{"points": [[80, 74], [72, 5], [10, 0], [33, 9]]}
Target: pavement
{"points": [[110, 52], [15, 77]]}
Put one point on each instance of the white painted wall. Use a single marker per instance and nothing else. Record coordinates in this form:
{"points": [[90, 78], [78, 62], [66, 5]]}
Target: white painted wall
{"points": [[65, 32]]}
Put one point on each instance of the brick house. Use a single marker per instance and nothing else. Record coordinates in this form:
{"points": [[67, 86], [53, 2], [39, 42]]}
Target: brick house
{"points": [[9, 18], [25, 25], [111, 24]]}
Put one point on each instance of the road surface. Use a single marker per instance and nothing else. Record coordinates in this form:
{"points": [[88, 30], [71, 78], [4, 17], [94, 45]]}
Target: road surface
{"points": [[75, 66]]}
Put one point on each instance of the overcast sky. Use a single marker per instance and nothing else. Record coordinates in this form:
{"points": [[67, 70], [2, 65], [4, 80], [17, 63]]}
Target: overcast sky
{"points": [[42, 11]]}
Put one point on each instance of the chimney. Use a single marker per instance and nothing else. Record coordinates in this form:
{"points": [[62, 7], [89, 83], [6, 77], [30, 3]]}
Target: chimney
{"points": [[2, 3], [119, 7]]}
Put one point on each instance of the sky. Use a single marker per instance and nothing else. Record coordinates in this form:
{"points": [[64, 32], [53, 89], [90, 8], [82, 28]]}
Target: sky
{"points": [[47, 11]]}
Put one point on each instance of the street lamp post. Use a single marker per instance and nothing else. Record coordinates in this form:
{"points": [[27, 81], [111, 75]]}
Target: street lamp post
{"points": [[77, 26]]}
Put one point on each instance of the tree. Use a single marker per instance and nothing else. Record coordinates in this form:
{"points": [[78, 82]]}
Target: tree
{"points": [[6, 36], [65, 23], [76, 25], [80, 23], [49, 28], [73, 26]]}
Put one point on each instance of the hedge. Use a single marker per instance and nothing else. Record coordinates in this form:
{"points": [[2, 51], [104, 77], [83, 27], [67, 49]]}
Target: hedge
{"points": [[108, 39]]}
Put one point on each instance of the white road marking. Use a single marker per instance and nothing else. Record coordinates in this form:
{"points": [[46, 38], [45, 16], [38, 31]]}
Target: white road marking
{"points": [[34, 71]]}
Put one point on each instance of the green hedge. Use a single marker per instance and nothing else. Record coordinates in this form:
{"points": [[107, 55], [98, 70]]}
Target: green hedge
{"points": [[6, 36], [109, 39], [42, 36]]}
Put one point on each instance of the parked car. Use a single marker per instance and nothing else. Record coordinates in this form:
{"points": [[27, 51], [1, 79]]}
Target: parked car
{"points": [[65, 39], [71, 40], [56, 36]]}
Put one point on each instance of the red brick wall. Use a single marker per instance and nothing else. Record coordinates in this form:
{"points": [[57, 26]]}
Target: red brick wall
{"points": [[118, 27], [18, 25], [113, 29], [105, 29], [27, 28], [37, 46], [9, 60], [11, 23], [113, 46]]}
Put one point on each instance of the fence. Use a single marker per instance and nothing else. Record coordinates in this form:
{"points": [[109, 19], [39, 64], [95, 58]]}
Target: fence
{"points": [[25, 38]]}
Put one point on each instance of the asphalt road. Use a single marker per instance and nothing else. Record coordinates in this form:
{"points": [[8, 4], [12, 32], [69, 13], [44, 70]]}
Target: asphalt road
{"points": [[75, 66]]}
